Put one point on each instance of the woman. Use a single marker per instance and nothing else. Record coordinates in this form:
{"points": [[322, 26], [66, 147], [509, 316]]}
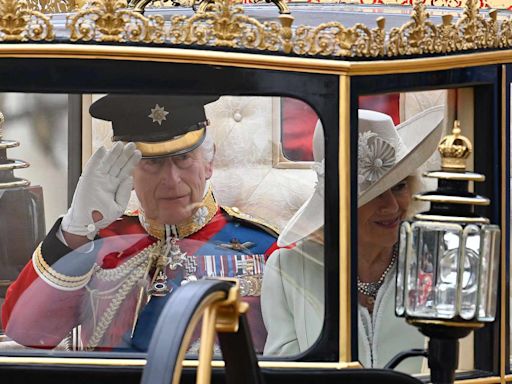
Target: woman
{"points": [[293, 289]]}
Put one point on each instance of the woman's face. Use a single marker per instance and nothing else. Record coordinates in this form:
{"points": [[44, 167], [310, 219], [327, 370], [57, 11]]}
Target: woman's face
{"points": [[379, 219]]}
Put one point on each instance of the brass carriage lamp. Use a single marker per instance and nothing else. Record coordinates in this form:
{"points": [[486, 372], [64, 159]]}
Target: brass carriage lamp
{"points": [[447, 272]]}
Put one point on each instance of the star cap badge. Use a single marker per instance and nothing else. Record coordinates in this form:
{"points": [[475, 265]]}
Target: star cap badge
{"points": [[158, 114]]}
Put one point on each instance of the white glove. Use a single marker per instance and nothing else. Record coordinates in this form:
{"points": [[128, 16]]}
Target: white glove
{"points": [[105, 186]]}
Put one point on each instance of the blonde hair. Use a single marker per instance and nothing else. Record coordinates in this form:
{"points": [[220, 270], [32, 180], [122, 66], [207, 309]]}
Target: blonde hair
{"points": [[416, 185]]}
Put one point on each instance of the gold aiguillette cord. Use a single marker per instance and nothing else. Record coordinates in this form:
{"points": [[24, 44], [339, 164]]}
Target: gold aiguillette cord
{"points": [[161, 263]]}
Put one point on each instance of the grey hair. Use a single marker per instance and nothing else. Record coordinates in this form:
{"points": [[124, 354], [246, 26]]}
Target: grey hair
{"points": [[208, 146]]}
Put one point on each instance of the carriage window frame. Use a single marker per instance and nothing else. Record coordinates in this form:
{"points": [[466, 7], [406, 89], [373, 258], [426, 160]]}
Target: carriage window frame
{"points": [[466, 77], [484, 81], [73, 82]]}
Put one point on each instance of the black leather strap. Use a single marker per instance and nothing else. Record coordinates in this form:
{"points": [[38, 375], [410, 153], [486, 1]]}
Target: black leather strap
{"points": [[240, 360], [170, 329]]}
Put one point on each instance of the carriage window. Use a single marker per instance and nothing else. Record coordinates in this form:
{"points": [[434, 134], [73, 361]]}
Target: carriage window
{"points": [[33, 178], [298, 121], [398, 135], [173, 189]]}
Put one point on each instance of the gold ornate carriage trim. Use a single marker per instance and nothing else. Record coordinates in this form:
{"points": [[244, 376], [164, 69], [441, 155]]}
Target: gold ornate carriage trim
{"points": [[224, 24]]}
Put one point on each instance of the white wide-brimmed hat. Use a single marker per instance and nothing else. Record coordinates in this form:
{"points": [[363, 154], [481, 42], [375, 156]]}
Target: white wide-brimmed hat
{"points": [[387, 154]]}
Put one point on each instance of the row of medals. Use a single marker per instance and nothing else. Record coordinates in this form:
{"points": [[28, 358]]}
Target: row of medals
{"points": [[173, 258]]}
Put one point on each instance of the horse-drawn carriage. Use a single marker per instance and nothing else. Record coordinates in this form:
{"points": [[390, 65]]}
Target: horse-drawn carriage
{"points": [[267, 77]]}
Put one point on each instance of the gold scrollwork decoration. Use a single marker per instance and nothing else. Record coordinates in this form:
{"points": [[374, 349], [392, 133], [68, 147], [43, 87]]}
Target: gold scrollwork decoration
{"points": [[140, 5], [225, 24], [286, 32], [52, 6], [222, 23], [20, 23], [474, 28], [280, 4], [505, 34], [112, 21], [333, 39], [449, 38], [471, 31], [492, 30], [415, 37]]}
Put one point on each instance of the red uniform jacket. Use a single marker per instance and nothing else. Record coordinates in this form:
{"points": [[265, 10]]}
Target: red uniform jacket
{"points": [[98, 288]]}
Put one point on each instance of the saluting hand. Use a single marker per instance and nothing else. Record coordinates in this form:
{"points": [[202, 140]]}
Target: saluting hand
{"points": [[103, 190]]}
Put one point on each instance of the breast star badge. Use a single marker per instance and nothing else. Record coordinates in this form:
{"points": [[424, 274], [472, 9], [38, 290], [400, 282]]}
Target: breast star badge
{"points": [[158, 114]]}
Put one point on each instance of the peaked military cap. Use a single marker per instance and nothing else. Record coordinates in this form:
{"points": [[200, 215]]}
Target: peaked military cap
{"points": [[159, 125]]}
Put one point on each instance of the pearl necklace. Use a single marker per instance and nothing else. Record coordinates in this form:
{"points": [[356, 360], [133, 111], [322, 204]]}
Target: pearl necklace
{"points": [[370, 289]]}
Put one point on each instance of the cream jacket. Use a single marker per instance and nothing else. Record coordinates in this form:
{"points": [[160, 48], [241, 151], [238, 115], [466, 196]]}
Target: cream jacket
{"points": [[292, 302]]}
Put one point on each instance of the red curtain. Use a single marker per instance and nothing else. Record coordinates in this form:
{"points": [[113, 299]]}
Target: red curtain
{"points": [[298, 122]]}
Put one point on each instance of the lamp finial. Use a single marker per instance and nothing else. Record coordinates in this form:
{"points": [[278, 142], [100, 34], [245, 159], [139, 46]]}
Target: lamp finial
{"points": [[455, 149]]}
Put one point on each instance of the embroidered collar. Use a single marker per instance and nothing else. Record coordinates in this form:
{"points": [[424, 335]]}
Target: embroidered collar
{"points": [[202, 216]]}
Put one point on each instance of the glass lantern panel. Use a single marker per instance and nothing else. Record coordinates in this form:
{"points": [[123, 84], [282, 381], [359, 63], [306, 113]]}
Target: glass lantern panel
{"points": [[405, 241], [421, 268], [432, 270], [469, 269], [489, 272], [446, 280], [411, 272]]}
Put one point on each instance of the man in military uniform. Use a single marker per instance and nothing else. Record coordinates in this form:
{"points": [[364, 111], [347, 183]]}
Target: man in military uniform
{"points": [[110, 271]]}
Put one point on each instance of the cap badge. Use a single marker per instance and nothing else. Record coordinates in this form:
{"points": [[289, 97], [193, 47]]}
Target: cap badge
{"points": [[158, 114]]}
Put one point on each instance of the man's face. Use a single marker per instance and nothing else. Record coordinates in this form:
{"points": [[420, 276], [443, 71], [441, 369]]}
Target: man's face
{"points": [[170, 188]]}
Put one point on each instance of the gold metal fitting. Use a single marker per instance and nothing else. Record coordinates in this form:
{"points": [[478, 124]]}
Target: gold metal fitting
{"points": [[455, 149], [453, 324], [228, 311], [219, 316]]}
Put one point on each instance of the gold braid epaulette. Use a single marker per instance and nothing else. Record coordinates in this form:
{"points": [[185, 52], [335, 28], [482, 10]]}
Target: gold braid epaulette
{"points": [[256, 221]]}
